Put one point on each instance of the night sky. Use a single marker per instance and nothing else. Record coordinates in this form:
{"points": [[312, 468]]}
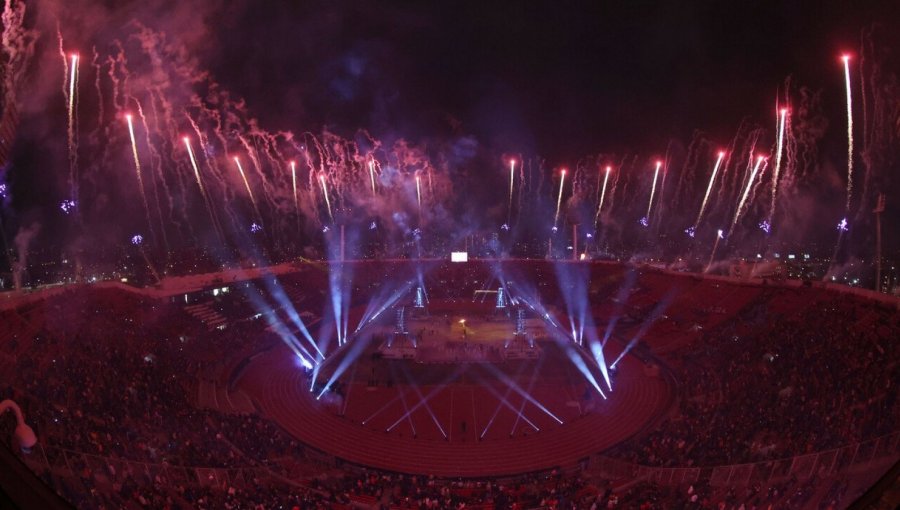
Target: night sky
{"points": [[558, 79], [554, 80]]}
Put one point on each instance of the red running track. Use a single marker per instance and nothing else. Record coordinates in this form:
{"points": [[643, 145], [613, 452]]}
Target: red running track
{"points": [[281, 391]]}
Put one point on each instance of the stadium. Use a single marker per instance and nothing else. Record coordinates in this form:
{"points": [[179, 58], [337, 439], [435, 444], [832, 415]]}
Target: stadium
{"points": [[365, 254], [740, 391]]}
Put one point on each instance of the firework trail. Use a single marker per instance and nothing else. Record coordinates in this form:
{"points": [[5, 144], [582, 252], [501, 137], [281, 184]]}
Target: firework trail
{"points": [[620, 169], [512, 180], [73, 79], [372, 175], [602, 195], [846, 59], [325, 192], [212, 216], [782, 120], [253, 154], [740, 207], [712, 179], [744, 142], [526, 184], [719, 236], [190, 151], [240, 168], [137, 169], [645, 221], [695, 150], [294, 186], [562, 182], [156, 160], [419, 192], [70, 89]]}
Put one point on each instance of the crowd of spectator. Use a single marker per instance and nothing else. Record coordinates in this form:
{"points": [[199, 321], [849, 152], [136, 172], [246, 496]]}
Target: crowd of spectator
{"points": [[765, 386], [111, 374]]}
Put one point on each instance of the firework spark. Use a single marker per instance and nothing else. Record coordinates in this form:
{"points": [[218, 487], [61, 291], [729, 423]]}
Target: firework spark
{"points": [[562, 182], [712, 256], [240, 168], [419, 192], [325, 192], [843, 226], [209, 207], [712, 179], [740, 207], [846, 59], [72, 127], [67, 205], [294, 185], [190, 151], [652, 193], [512, 180], [782, 120], [602, 195], [137, 169], [73, 77]]}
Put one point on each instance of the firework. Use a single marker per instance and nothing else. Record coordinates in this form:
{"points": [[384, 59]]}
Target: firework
{"points": [[712, 179], [843, 226], [72, 130], [325, 192], [602, 195], [419, 192], [67, 205], [765, 226], [73, 76], [512, 180], [846, 59], [646, 219], [190, 151], [743, 200], [137, 239], [255, 227], [562, 182], [3, 190], [240, 168], [372, 174], [294, 185], [137, 169], [782, 120], [209, 207], [720, 234]]}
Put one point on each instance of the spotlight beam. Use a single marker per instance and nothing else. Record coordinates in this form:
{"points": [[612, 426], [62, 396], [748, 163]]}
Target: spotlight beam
{"points": [[424, 401], [428, 397], [515, 387], [504, 402], [520, 412]]}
